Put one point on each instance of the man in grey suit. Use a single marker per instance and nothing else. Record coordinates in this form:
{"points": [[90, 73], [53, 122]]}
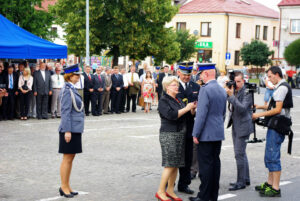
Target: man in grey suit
{"points": [[241, 120], [42, 88], [106, 93], [208, 133]]}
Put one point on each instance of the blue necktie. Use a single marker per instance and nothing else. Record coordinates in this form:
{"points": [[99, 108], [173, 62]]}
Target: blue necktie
{"points": [[10, 82]]}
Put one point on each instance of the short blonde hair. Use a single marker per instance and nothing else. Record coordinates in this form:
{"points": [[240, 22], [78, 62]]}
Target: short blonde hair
{"points": [[168, 80], [28, 71]]}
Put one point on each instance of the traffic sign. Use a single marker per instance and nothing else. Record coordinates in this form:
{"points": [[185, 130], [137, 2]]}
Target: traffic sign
{"points": [[227, 62], [228, 56]]}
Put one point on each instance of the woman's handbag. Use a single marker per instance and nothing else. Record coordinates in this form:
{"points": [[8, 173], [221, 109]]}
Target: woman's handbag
{"points": [[141, 101], [25, 87]]}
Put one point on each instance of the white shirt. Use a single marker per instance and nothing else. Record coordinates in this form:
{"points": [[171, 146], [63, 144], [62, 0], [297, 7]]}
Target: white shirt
{"points": [[43, 75], [125, 81], [57, 81], [127, 76], [183, 84], [80, 83], [222, 80]]}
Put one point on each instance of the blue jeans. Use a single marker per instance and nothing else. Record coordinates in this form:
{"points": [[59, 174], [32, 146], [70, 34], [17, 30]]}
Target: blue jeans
{"points": [[268, 94], [272, 151]]}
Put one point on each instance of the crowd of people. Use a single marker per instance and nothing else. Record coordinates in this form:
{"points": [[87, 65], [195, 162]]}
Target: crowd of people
{"points": [[34, 92]]}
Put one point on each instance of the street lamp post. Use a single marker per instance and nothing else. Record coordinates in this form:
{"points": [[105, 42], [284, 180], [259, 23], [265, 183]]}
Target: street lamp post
{"points": [[87, 34]]}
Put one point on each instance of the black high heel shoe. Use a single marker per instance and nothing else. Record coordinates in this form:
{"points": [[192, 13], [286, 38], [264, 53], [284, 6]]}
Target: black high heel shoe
{"points": [[74, 193], [65, 195]]}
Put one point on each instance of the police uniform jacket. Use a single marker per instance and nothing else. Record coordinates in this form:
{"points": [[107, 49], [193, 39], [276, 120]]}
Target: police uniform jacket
{"points": [[210, 115], [71, 120], [241, 115], [188, 96]]}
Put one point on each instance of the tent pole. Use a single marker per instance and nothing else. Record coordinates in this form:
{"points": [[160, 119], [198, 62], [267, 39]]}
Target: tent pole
{"points": [[87, 58]]}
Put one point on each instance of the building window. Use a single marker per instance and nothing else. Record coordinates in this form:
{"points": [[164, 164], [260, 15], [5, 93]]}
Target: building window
{"points": [[238, 30], [237, 58], [265, 36], [295, 26], [180, 26], [274, 33], [257, 32], [206, 29]]}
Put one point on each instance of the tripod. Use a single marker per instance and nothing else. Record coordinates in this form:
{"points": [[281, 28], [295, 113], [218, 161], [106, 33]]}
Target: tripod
{"points": [[255, 140]]}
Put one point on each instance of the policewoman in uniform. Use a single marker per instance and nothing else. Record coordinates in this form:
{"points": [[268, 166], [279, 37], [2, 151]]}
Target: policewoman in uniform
{"points": [[188, 92], [70, 128]]}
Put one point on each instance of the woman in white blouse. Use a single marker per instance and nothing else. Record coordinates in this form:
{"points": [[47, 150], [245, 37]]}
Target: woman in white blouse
{"points": [[25, 86]]}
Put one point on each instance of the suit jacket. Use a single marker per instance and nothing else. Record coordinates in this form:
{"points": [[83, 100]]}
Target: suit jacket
{"points": [[241, 116], [71, 120], [108, 82], [117, 81], [41, 86], [188, 96], [97, 83], [88, 83], [159, 81], [15, 81], [211, 110], [141, 72]]}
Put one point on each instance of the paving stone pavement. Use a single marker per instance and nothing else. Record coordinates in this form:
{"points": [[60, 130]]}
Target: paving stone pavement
{"points": [[121, 160]]}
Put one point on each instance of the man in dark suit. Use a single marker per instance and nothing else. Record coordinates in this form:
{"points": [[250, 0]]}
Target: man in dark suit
{"points": [[124, 90], [99, 85], [117, 84], [242, 127], [188, 93], [11, 83], [208, 133], [88, 89], [42, 88], [160, 79]]}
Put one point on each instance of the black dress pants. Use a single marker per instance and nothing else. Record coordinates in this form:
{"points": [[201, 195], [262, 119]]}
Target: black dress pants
{"points": [[97, 103], [129, 99], [123, 99], [115, 101], [24, 104], [9, 105], [209, 169], [42, 106], [87, 99], [185, 172]]}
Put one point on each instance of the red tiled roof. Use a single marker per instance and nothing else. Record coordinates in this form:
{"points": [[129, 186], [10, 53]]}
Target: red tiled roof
{"points": [[289, 3], [45, 4], [243, 7]]}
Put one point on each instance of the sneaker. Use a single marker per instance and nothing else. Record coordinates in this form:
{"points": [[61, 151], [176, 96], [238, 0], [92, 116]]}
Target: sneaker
{"points": [[262, 187], [270, 192]]}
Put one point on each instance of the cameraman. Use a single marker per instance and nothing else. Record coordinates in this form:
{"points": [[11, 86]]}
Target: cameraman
{"points": [[280, 103], [242, 126]]}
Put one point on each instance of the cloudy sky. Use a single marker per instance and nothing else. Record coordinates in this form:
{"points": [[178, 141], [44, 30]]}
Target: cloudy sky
{"points": [[270, 3]]}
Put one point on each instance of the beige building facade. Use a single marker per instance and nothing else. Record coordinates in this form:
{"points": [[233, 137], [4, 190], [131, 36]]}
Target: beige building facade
{"points": [[226, 33]]}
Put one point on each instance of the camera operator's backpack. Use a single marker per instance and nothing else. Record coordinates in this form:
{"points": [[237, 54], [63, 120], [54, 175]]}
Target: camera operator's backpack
{"points": [[281, 123]]}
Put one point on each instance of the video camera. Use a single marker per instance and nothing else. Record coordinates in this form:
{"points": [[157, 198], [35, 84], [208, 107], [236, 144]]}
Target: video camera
{"points": [[231, 81]]}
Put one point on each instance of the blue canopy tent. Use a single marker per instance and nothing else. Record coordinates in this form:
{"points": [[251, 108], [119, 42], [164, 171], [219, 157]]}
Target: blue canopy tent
{"points": [[17, 43]]}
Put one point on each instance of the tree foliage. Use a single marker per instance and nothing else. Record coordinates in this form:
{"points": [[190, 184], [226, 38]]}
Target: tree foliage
{"points": [[24, 14], [292, 53], [187, 44], [256, 53], [126, 27]]}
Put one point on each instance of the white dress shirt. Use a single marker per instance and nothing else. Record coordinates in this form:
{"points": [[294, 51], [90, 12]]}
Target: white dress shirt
{"points": [[183, 84], [43, 74], [135, 77], [57, 81], [80, 83]]}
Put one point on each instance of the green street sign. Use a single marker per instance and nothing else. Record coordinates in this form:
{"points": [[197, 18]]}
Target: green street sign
{"points": [[204, 44]]}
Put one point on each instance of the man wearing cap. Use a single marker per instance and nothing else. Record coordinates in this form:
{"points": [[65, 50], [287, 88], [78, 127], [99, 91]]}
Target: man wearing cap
{"points": [[195, 77], [160, 79], [208, 133], [188, 93]]}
